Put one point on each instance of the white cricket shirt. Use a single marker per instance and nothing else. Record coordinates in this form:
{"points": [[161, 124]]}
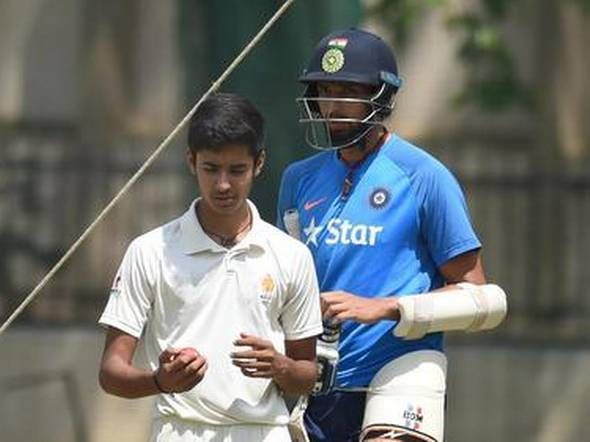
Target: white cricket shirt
{"points": [[177, 288]]}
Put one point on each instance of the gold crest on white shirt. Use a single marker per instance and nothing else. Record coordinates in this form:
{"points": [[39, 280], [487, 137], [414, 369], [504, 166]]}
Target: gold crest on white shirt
{"points": [[267, 286]]}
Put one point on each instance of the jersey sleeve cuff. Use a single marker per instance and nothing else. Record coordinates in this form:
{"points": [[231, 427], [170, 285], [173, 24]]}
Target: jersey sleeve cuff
{"points": [[303, 334], [110, 321], [456, 250]]}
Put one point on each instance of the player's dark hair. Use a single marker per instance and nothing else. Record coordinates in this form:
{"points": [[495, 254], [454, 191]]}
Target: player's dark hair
{"points": [[225, 119]]}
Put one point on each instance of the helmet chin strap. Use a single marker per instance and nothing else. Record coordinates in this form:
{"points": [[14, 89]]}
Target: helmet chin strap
{"points": [[355, 137], [361, 142]]}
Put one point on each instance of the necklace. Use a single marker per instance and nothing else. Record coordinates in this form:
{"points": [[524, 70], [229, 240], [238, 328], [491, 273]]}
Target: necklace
{"points": [[229, 241], [348, 180]]}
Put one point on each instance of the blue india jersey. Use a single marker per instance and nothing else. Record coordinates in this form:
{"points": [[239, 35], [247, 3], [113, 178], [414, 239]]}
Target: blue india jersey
{"points": [[382, 228]]}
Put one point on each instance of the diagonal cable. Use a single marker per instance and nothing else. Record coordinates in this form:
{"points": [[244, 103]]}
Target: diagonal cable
{"points": [[31, 296]]}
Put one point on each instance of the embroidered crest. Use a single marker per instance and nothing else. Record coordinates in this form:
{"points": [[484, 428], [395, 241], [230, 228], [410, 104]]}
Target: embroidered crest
{"points": [[379, 198], [267, 286], [333, 60]]}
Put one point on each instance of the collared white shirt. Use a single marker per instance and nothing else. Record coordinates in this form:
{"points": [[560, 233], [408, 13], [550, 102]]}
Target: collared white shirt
{"points": [[177, 288]]}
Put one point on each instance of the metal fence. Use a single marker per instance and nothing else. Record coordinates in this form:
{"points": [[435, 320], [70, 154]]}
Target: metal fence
{"points": [[534, 229], [52, 184]]}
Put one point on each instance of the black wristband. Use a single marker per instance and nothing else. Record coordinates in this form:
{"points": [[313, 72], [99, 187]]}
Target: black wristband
{"points": [[158, 386]]}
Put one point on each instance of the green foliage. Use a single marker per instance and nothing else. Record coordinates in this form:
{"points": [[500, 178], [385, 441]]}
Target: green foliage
{"points": [[401, 14], [492, 78], [492, 82], [497, 9], [584, 4]]}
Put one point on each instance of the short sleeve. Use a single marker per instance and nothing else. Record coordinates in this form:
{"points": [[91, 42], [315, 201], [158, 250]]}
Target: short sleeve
{"points": [[445, 220], [131, 295], [301, 315], [284, 202]]}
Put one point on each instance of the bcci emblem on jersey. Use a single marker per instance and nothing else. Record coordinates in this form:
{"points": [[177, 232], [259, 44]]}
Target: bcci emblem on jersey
{"points": [[379, 198]]}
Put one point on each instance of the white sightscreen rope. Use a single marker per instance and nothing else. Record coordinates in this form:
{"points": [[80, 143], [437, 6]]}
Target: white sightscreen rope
{"points": [[144, 167]]}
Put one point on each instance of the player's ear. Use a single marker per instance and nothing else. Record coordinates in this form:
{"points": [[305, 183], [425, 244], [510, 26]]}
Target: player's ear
{"points": [[191, 161], [259, 162]]}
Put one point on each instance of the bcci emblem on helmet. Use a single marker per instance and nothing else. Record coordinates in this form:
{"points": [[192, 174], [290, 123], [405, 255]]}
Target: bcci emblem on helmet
{"points": [[333, 60]]}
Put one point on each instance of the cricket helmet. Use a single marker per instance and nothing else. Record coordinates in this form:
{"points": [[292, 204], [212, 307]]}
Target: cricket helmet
{"points": [[349, 56]]}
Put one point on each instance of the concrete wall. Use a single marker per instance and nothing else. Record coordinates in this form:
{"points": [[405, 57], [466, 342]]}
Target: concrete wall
{"points": [[523, 393], [49, 392]]}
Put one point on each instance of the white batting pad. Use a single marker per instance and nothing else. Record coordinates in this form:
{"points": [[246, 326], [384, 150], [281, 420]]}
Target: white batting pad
{"points": [[409, 394]]}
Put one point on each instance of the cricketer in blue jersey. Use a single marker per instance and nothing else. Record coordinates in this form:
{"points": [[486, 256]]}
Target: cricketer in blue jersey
{"points": [[383, 219]]}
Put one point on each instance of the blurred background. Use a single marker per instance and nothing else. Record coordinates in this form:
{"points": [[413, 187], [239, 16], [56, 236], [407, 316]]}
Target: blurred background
{"points": [[496, 89]]}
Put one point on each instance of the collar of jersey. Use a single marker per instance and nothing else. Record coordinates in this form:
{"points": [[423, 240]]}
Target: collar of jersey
{"points": [[195, 240], [363, 164]]}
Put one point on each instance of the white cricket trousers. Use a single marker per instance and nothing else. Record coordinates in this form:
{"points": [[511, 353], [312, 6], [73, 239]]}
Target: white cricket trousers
{"points": [[176, 430]]}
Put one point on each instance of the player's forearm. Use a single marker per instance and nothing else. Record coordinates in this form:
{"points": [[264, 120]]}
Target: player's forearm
{"points": [[121, 379], [389, 308], [296, 377]]}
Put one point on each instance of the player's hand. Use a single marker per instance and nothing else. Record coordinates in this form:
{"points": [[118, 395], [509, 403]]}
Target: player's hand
{"points": [[340, 306], [180, 369], [260, 360]]}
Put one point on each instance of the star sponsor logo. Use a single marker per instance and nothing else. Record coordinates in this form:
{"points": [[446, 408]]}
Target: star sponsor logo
{"points": [[311, 204], [311, 232], [342, 231]]}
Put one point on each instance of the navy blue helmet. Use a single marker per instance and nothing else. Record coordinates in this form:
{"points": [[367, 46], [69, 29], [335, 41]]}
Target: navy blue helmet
{"points": [[350, 56]]}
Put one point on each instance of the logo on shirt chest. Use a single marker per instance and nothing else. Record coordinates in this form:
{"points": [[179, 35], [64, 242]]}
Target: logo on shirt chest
{"points": [[267, 287], [342, 231], [379, 198], [313, 203]]}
